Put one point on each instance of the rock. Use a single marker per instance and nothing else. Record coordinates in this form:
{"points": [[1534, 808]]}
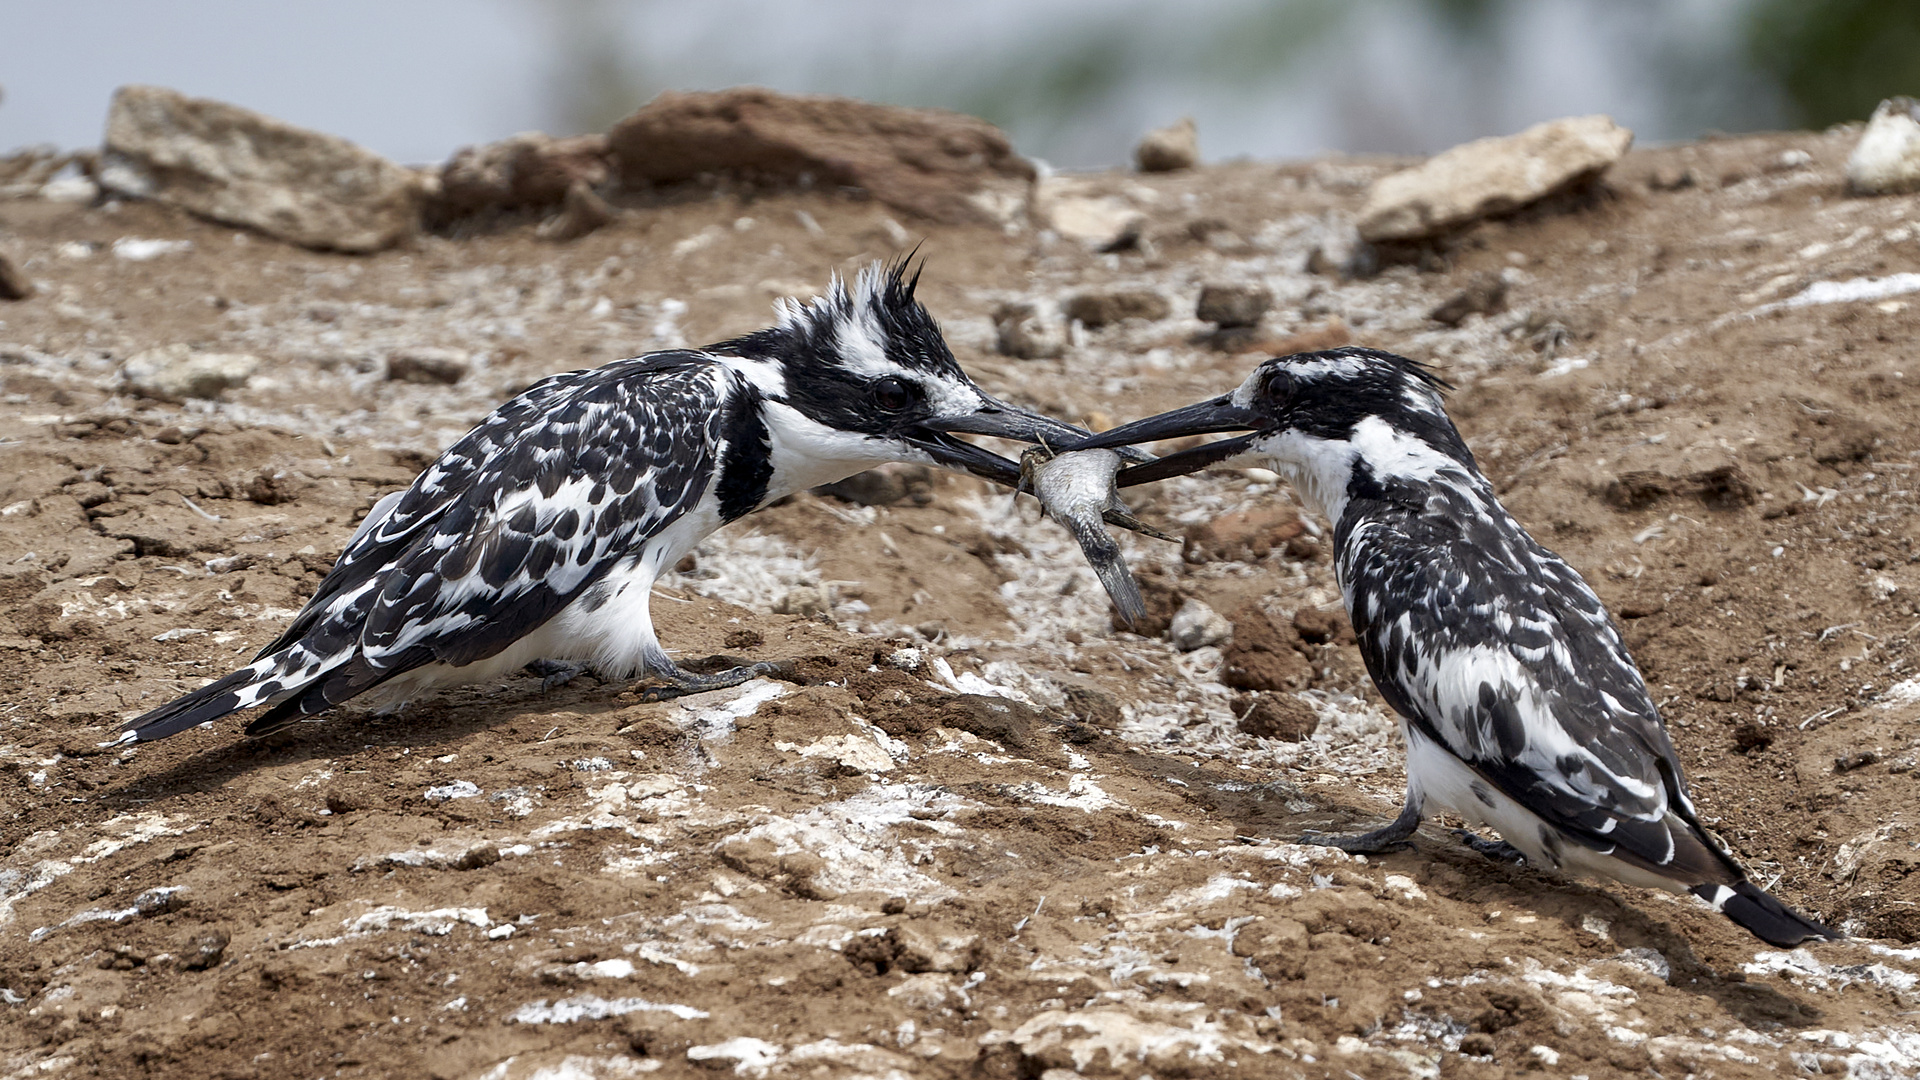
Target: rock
{"points": [[1484, 295], [205, 951], [1170, 148], [1341, 253], [1278, 947], [176, 373], [1279, 716], [14, 282], [1490, 176], [801, 600], [1233, 305], [1077, 211], [25, 173], [1196, 626], [883, 486], [1317, 627], [530, 169], [428, 366], [1241, 535], [1031, 329], [239, 167], [930, 162], [1100, 307], [1262, 655], [1886, 160], [160, 901], [581, 212]]}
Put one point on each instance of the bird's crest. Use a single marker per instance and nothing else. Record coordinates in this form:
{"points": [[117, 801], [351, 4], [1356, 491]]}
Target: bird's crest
{"points": [[873, 326]]}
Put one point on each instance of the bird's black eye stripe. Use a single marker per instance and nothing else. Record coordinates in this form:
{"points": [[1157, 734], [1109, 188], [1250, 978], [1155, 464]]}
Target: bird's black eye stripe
{"points": [[892, 395]]}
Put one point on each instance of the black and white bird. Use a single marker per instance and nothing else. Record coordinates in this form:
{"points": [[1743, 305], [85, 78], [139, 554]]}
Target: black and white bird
{"points": [[537, 537], [1520, 706]]}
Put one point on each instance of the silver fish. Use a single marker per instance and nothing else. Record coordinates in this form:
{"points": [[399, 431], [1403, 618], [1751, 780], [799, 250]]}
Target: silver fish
{"points": [[1078, 491]]}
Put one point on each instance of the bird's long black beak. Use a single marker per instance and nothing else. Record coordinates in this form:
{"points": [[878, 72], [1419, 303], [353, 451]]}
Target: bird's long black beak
{"points": [[1218, 414]]}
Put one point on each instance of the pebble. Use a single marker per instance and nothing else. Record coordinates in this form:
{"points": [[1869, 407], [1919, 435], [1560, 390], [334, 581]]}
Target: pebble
{"points": [[1100, 307], [428, 366], [1489, 176], [1233, 305], [1169, 149], [241, 167], [1484, 295], [1886, 160], [14, 282], [176, 373], [1196, 626], [1076, 210], [1031, 329], [205, 951]]}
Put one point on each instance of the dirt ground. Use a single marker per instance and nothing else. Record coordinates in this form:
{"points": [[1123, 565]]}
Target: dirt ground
{"points": [[986, 834]]}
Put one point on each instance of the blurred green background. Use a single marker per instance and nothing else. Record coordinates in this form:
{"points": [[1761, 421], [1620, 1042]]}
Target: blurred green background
{"points": [[1073, 81]]}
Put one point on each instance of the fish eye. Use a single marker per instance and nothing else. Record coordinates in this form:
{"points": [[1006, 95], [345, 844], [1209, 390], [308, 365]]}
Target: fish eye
{"points": [[892, 395], [1278, 388]]}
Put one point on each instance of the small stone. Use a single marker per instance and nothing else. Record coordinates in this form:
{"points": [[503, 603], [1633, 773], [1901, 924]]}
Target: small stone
{"points": [[1233, 305], [581, 212], [240, 167], [1169, 149], [176, 373], [883, 486], [1279, 716], [205, 951], [1886, 160], [161, 901], [1076, 210], [1196, 626], [801, 600], [743, 639], [14, 282], [1859, 759], [1317, 627], [1101, 307], [1490, 176], [428, 366], [1031, 329], [476, 857], [1484, 295]]}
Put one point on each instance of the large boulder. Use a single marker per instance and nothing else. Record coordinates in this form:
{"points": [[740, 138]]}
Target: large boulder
{"points": [[240, 167], [1490, 176], [936, 164]]}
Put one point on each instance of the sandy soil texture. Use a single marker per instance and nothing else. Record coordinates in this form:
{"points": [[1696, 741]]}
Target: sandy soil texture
{"points": [[984, 833]]}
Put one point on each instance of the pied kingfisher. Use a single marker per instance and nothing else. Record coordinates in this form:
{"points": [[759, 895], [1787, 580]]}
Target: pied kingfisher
{"points": [[1519, 704], [537, 537]]}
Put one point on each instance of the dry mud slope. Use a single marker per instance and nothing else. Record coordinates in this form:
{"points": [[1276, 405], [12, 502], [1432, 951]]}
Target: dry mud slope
{"points": [[1036, 847]]}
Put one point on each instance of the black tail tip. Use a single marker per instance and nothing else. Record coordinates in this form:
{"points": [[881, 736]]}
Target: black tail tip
{"points": [[1763, 916]]}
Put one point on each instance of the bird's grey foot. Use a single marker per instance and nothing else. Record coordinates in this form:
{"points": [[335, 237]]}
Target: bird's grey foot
{"points": [[1492, 849], [555, 674], [680, 683], [1378, 842]]}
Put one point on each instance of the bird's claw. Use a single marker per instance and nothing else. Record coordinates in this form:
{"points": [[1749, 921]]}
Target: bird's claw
{"points": [[1364, 844], [554, 674], [1492, 849]]}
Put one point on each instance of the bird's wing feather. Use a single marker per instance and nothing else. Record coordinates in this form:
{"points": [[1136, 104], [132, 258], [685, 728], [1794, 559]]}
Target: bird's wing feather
{"points": [[549, 502], [1501, 653], [392, 527]]}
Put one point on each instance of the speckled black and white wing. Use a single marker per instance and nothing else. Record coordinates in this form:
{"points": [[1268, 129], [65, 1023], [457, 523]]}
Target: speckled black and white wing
{"points": [[505, 529], [1495, 649], [1502, 654]]}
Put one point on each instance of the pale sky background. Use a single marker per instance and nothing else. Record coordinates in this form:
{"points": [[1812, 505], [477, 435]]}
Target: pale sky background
{"points": [[1073, 81]]}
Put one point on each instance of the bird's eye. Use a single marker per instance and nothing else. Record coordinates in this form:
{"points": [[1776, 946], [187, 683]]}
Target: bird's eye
{"points": [[1278, 387], [892, 395]]}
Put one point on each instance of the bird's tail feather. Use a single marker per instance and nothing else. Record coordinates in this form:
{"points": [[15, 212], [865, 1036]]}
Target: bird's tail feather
{"points": [[210, 702], [1763, 916]]}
